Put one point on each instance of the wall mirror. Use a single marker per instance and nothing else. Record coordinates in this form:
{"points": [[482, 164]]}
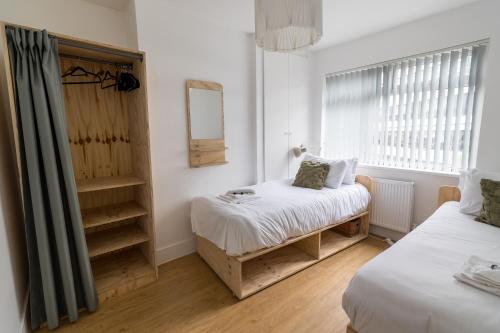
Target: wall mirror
{"points": [[205, 115]]}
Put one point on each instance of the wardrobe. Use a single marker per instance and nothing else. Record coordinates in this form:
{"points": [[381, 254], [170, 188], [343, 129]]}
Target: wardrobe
{"points": [[108, 133], [286, 112]]}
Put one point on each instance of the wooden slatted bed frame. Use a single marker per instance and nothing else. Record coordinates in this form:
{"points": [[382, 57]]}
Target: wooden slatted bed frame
{"points": [[249, 273], [446, 193]]}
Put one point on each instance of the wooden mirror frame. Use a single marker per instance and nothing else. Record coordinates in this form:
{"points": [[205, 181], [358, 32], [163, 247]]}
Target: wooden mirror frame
{"points": [[205, 152]]}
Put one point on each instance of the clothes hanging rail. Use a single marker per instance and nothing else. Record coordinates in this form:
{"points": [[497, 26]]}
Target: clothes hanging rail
{"points": [[451, 48], [122, 53], [100, 61], [91, 47]]}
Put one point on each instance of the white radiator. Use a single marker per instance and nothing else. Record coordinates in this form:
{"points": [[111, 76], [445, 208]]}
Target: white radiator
{"points": [[392, 204]]}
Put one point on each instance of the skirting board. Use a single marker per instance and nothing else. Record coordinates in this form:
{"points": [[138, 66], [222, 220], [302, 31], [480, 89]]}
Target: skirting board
{"points": [[386, 233], [174, 251]]}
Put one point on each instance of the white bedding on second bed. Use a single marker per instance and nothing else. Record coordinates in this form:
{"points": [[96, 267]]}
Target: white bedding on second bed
{"points": [[410, 287], [283, 211]]}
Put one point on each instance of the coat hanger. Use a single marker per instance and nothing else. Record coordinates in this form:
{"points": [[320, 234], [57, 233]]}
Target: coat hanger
{"points": [[124, 81], [80, 71], [107, 77]]}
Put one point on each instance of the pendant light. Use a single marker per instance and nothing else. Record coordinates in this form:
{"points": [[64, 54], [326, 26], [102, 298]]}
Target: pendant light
{"points": [[287, 25]]}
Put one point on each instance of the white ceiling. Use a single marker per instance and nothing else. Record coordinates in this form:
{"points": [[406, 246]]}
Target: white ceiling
{"points": [[343, 20]]}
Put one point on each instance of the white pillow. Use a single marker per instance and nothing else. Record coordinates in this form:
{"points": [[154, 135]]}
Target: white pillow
{"points": [[346, 176], [311, 157], [336, 174], [350, 175], [461, 179], [471, 200]]}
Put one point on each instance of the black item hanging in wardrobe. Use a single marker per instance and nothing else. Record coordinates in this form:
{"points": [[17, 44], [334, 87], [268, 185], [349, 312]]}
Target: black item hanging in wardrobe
{"points": [[127, 82]]}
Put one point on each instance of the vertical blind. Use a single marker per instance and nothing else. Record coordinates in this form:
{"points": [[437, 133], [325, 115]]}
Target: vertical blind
{"points": [[418, 113]]}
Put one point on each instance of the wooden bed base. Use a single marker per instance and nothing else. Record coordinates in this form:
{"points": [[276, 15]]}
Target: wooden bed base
{"points": [[446, 193], [349, 329], [249, 273]]}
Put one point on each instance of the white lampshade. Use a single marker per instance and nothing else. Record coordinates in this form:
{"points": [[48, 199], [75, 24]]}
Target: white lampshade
{"points": [[287, 25]]}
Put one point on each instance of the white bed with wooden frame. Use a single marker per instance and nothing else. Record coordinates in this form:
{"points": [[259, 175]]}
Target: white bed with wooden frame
{"points": [[410, 287], [251, 272]]}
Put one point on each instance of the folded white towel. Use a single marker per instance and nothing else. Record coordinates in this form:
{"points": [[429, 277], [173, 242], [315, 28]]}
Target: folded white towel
{"points": [[491, 277], [482, 274], [237, 199], [237, 196], [478, 285], [485, 270], [241, 191]]}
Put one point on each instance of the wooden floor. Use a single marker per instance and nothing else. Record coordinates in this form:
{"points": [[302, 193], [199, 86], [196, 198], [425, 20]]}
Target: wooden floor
{"points": [[189, 297]]}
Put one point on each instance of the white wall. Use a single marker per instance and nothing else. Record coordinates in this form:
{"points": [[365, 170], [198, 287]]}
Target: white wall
{"points": [[75, 18], [131, 26], [180, 47], [462, 25]]}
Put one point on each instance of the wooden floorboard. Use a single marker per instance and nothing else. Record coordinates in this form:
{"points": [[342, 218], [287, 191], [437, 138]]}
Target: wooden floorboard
{"points": [[189, 297]]}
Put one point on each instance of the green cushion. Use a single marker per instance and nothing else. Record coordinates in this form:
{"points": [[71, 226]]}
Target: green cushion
{"points": [[490, 213], [312, 174]]}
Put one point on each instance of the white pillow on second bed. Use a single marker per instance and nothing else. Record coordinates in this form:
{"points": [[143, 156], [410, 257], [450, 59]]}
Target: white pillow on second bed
{"points": [[341, 171], [471, 199]]}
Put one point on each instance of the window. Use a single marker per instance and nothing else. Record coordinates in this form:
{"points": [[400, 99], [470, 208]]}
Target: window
{"points": [[419, 112]]}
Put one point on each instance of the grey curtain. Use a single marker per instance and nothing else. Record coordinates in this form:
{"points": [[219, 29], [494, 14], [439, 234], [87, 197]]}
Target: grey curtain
{"points": [[61, 280]]}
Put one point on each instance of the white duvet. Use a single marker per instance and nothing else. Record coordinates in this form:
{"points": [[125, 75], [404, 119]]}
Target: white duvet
{"points": [[410, 288], [283, 211]]}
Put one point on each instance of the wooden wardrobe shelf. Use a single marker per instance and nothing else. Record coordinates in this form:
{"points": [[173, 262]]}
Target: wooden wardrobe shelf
{"points": [[115, 239], [93, 217], [120, 272], [104, 183]]}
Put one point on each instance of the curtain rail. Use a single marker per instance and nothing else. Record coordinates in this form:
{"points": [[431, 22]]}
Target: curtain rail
{"points": [[485, 41], [90, 47]]}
